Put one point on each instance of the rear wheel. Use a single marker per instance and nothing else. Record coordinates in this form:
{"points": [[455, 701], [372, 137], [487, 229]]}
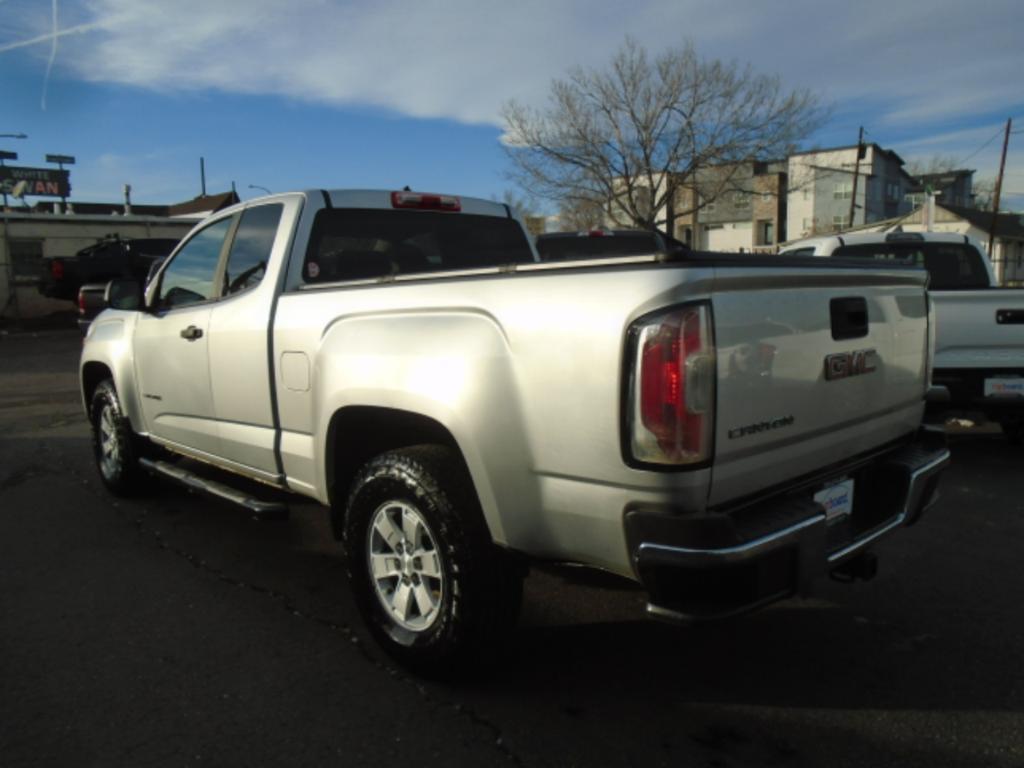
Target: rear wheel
{"points": [[435, 591], [115, 446]]}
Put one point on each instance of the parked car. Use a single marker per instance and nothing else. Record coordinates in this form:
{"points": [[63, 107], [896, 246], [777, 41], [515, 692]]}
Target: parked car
{"points": [[60, 278], [688, 423], [92, 298], [603, 243], [979, 347]]}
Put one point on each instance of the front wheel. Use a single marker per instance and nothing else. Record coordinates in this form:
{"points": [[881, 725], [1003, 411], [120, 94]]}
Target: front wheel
{"points": [[115, 446], [436, 593]]}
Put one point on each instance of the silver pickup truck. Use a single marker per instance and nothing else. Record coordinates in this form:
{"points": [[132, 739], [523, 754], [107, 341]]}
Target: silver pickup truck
{"points": [[979, 340], [719, 428]]}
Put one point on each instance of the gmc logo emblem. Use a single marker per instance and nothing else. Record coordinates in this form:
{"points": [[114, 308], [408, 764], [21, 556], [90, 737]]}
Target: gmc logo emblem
{"points": [[846, 364]]}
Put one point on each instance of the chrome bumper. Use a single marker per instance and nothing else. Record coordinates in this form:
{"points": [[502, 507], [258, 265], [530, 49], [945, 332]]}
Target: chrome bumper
{"points": [[752, 572]]}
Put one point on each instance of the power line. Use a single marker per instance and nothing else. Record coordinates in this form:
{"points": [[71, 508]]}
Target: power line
{"points": [[979, 149]]}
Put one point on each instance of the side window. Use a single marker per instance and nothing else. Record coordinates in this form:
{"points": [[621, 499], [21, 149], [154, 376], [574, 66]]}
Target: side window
{"points": [[250, 250], [189, 278]]}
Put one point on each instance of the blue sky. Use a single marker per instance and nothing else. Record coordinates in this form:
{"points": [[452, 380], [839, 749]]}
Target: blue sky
{"points": [[312, 93]]}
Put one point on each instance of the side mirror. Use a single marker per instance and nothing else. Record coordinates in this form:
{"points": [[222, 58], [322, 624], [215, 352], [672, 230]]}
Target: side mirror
{"points": [[123, 294]]}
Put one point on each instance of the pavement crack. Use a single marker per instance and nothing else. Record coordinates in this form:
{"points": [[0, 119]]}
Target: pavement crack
{"points": [[23, 475], [345, 630]]}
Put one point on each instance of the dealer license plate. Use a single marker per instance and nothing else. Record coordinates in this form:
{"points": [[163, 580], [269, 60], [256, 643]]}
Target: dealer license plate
{"points": [[1004, 387], [837, 499]]}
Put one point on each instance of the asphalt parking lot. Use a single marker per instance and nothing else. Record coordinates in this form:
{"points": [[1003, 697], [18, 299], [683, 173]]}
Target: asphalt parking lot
{"points": [[172, 631]]}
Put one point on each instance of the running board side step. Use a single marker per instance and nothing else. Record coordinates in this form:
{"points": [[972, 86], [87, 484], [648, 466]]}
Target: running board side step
{"points": [[261, 510]]}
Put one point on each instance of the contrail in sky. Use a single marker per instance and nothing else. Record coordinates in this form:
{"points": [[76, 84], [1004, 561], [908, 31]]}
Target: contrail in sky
{"points": [[53, 56], [51, 35]]}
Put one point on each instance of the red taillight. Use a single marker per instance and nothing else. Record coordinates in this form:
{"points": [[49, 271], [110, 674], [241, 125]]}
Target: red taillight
{"points": [[597, 233], [57, 269], [424, 201], [673, 387], [81, 303]]}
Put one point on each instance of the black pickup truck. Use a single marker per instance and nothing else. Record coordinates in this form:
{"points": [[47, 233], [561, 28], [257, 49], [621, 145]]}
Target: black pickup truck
{"points": [[604, 243], [112, 257]]}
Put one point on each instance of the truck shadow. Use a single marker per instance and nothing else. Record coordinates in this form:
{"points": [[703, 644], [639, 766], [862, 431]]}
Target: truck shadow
{"points": [[585, 675]]}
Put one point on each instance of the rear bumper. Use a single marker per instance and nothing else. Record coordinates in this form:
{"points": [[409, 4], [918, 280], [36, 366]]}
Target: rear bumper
{"points": [[966, 387], [734, 560]]}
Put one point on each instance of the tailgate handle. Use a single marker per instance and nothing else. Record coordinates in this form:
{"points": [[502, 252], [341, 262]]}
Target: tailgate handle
{"points": [[849, 317], [1010, 316]]}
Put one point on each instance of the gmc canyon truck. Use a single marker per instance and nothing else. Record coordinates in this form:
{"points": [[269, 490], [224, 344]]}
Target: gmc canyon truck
{"points": [[979, 345], [720, 428]]}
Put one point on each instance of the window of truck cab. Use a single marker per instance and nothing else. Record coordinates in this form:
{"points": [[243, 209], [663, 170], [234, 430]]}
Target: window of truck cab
{"points": [[951, 266], [251, 246], [190, 276], [369, 243]]}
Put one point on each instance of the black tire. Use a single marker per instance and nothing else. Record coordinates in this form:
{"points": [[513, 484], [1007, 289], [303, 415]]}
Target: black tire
{"points": [[1013, 429], [475, 601], [115, 447]]}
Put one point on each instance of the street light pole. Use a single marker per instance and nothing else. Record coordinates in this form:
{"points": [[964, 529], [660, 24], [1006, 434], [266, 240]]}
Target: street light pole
{"points": [[6, 156], [257, 186], [9, 156]]}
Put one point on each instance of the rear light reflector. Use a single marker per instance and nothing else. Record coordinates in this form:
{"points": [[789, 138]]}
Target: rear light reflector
{"points": [[672, 387], [425, 201], [57, 269], [81, 303]]}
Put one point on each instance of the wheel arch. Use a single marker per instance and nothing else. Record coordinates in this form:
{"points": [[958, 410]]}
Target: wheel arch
{"points": [[379, 429], [93, 373]]}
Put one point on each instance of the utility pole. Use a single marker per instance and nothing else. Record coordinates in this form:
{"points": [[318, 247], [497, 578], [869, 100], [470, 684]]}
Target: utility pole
{"points": [[856, 173], [202, 174], [6, 156], [999, 187]]}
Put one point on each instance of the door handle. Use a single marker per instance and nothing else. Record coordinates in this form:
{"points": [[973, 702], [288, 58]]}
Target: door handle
{"points": [[192, 333]]}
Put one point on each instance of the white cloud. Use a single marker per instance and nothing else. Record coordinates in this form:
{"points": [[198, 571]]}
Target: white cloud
{"points": [[906, 61]]}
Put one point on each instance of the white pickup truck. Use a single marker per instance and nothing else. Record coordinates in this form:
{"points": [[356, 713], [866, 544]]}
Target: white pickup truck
{"points": [[979, 346], [720, 428]]}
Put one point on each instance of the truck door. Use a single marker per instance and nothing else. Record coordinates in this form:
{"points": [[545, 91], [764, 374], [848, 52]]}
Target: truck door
{"points": [[171, 344], [240, 366]]}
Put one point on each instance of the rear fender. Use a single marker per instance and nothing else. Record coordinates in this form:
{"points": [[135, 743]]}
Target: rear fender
{"points": [[451, 366]]}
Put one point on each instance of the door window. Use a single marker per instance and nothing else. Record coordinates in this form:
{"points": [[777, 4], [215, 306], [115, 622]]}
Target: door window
{"points": [[250, 250], [189, 278]]}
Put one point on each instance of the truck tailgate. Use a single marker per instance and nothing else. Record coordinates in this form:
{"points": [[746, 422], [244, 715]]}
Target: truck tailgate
{"points": [[979, 329], [812, 371]]}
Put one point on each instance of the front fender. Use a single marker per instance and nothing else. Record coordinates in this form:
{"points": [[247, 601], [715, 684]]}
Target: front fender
{"points": [[109, 343]]}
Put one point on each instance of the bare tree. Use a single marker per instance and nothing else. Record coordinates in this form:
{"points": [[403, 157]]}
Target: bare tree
{"points": [[625, 139], [984, 193], [934, 164], [581, 215]]}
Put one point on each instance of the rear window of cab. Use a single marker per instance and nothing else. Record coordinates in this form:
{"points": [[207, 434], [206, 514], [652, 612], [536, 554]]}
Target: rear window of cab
{"points": [[951, 266], [363, 244]]}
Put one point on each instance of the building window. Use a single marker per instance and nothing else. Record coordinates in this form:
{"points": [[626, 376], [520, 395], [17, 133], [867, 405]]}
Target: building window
{"points": [[766, 232], [26, 260], [892, 191], [709, 207], [741, 199], [766, 197], [843, 190], [807, 225], [915, 199], [838, 222], [807, 193]]}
